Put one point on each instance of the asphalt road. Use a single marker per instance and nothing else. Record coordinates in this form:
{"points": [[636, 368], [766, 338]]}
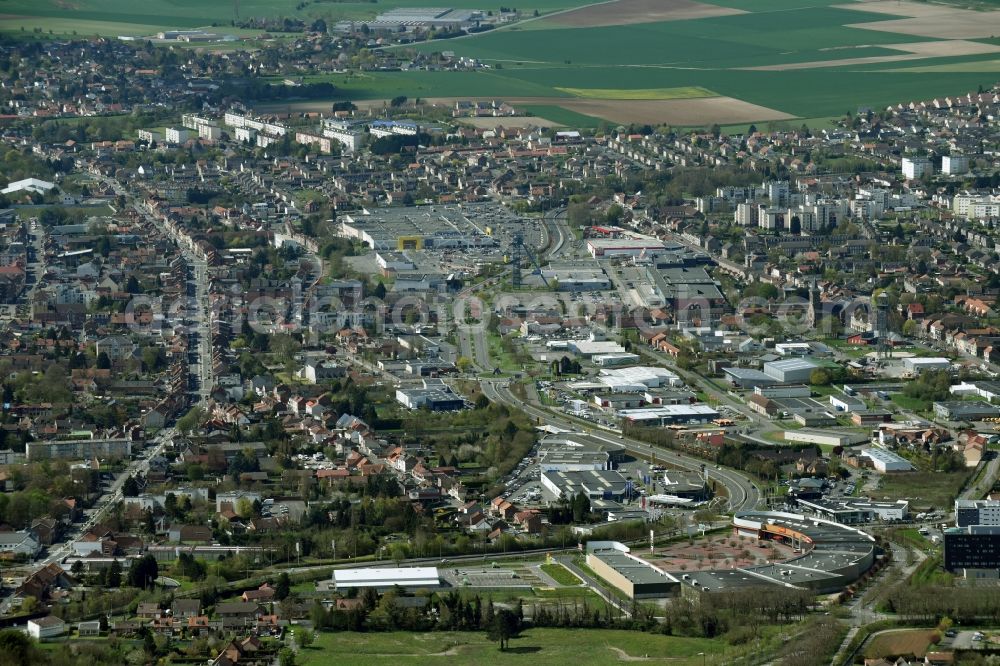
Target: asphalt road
{"points": [[743, 493]]}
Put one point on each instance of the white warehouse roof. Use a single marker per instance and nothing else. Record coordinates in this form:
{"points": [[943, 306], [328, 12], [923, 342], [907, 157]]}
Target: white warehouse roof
{"points": [[404, 577]]}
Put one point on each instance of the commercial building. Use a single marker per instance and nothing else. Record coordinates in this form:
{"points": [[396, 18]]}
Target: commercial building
{"points": [[435, 395], [636, 578], [565, 453], [972, 548], [824, 437], [577, 276], [588, 348], [885, 461], [790, 371], [845, 403], [623, 247], [746, 378], [409, 18], [833, 555], [686, 485], [595, 484], [783, 391], [917, 365], [977, 512], [855, 512], [78, 449], [972, 410], [640, 377], [409, 578], [614, 359], [429, 227], [663, 415]]}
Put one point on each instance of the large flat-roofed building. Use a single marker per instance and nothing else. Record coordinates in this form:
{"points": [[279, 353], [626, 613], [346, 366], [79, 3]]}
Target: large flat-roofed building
{"points": [[977, 512], [640, 377], [670, 415], [565, 453], [595, 484], [383, 579], [747, 378], [855, 512], [975, 547], [409, 18], [433, 395], [577, 276], [636, 578], [790, 371], [78, 449], [824, 437], [685, 485], [962, 410], [623, 247], [429, 227], [918, 364], [885, 460], [347, 133], [833, 555]]}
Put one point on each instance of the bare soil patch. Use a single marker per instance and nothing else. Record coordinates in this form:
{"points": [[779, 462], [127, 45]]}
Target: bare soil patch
{"points": [[952, 47], [628, 12], [686, 112], [929, 20], [817, 64], [894, 8]]}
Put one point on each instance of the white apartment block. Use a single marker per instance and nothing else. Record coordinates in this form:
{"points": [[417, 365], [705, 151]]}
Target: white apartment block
{"points": [[954, 165], [177, 135], [916, 167]]}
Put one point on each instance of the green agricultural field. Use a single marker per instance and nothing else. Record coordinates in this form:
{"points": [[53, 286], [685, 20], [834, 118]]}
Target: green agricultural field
{"points": [[539, 647], [126, 17], [564, 117], [687, 92]]}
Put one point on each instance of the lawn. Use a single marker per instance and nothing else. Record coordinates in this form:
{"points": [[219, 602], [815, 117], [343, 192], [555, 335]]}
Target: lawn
{"points": [[538, 647], [904, 642], [912, 404], [561, 574], [923, 489]]}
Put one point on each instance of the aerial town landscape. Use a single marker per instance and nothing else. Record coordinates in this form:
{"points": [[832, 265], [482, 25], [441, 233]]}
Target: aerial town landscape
{"points": [[656, 331]]}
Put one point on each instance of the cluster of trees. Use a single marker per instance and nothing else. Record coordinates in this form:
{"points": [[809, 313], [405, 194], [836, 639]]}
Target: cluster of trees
{"points": [[574, 510], [566, 366], [933, 602], [929, 386], [395, 143]]}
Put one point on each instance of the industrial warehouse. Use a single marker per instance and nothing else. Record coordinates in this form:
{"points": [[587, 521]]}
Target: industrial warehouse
{"points": [[409, 578]]}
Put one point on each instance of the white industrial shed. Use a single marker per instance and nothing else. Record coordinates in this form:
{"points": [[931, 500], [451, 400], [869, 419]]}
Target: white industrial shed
{"points": [[410, 577]]}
